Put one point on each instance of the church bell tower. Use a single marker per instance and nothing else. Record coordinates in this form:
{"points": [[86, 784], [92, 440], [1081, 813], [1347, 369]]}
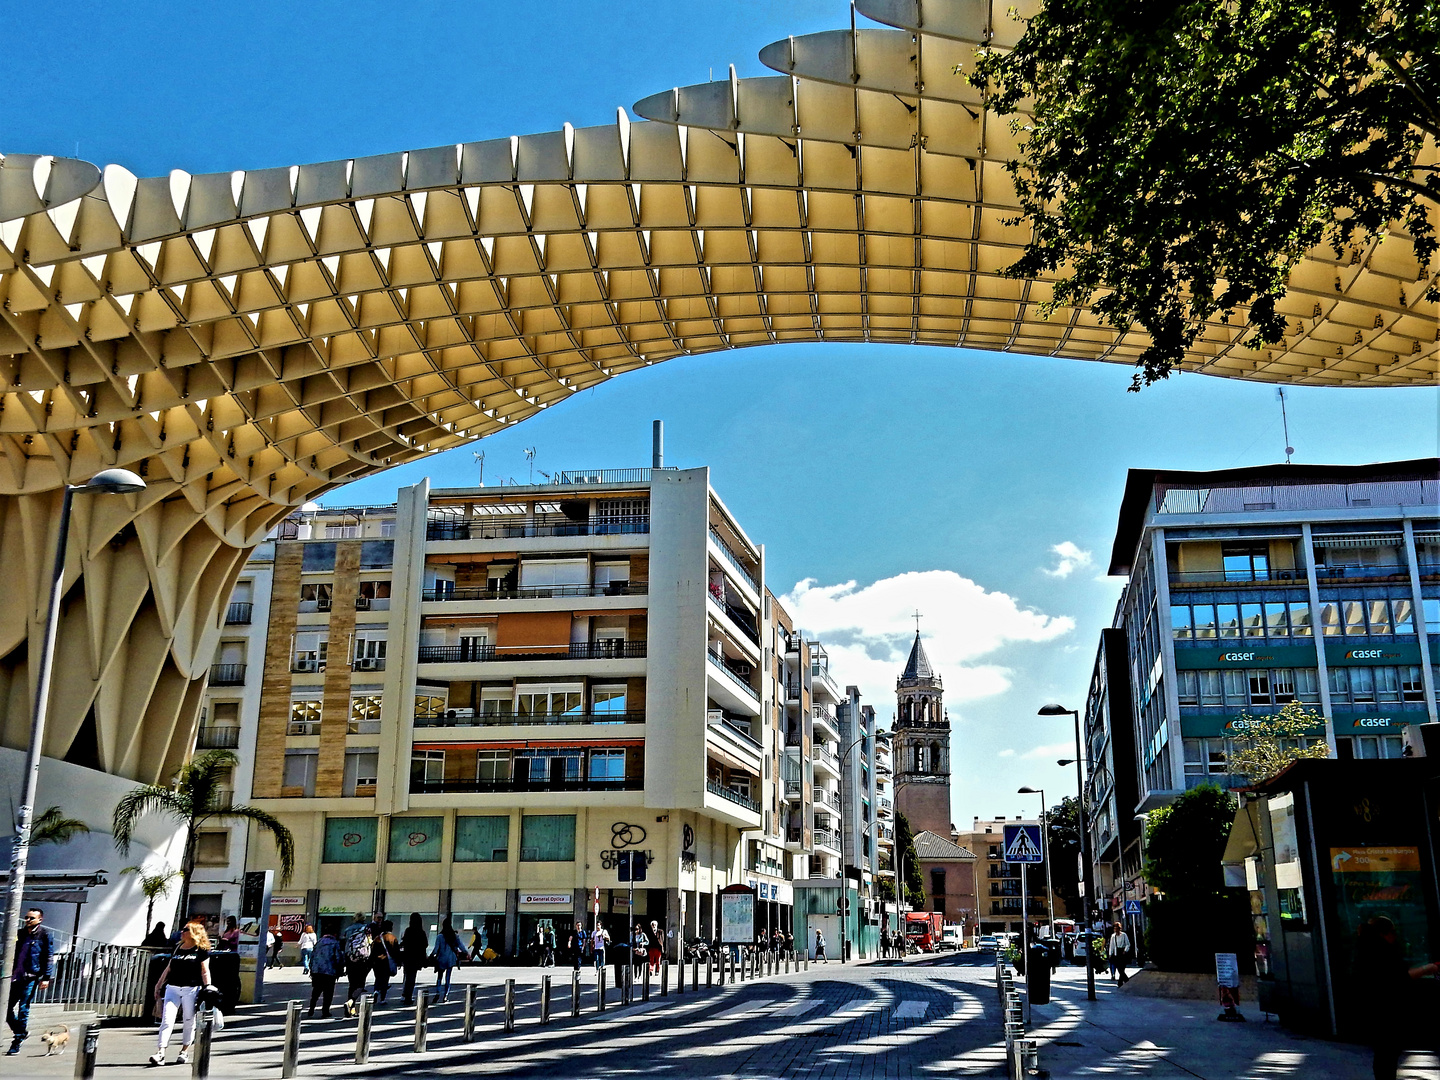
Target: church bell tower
{"points": [[922, 746]]}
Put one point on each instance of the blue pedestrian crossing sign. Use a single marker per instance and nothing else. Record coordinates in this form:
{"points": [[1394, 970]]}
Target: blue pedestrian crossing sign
{"points": [[1134, 907], [1022, 844]]}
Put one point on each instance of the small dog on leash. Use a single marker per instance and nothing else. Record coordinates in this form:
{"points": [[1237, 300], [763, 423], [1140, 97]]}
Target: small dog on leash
{"points": [[56, 1041]]}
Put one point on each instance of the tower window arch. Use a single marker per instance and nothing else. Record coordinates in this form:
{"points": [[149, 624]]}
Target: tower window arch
{"points": [[935, 757]]}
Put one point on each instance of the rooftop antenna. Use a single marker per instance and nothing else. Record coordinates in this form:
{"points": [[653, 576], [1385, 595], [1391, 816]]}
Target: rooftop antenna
{"points": [[530, 457], [1284, 420], [479, 456]]}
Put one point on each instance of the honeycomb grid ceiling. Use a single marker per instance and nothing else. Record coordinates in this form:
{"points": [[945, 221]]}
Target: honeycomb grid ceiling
{"points": [[253, 339]]}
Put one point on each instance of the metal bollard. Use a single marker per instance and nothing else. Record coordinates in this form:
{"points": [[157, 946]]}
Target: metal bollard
{"points": [[645, 983], [665, 978], [204, 1034], [86, 1050], [469, 1034], [694, 974], [422, 1020], [509, 1004], [709, 971], [788, 955], [744, 963], [545, 999], [575, 992], [600, 991], [290, 1056], [362, 1028]]}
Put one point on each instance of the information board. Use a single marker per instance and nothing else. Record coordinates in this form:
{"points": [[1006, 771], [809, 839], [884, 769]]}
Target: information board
{"points": [[737, 915]]}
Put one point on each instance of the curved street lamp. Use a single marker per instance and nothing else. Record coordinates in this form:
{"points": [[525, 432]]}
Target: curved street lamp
{"points": [[1086, 870], [109, 482]]}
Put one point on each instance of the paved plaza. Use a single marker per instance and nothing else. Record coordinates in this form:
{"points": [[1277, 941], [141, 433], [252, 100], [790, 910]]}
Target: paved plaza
{"points": [[925, 1018]]}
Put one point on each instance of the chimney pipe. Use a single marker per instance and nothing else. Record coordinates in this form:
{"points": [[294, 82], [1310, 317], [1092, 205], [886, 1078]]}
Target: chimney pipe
{"points": [[657, 440]]}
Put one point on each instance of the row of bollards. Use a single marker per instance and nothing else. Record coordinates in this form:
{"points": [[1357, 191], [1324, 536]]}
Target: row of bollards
{"points": [[1022, 1055], [731, 969]]}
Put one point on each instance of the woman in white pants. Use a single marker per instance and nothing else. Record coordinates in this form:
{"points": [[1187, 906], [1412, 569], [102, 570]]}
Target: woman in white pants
{"points": [[187, 973]]}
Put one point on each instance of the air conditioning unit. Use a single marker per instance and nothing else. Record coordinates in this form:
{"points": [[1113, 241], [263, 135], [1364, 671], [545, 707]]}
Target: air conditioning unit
{"points": [[368, 663], [307, 665], [529, 854], [362, 603], [323, 604], [714, 716]]}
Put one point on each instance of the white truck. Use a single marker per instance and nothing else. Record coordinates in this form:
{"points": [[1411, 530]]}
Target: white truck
{"points": [[952, 937]]}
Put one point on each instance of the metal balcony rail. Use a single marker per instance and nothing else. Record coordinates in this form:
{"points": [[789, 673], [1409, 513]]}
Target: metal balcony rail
{"points": [[1237, 577], [420, 786], [238, 614], [827, 838], [608, 476], [737, 679], [828, 798], [227, 675], [467, 718], [792, 691], [794, 738], [817, 750], [580, 650], [734, 560], [522, 529], [740, 616], [737, 797], [217, 737], [1357, 571], [534, 592]]}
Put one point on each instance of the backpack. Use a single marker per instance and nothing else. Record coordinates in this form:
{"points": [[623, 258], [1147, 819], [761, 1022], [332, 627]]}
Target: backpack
{"points": [[359, 943]]}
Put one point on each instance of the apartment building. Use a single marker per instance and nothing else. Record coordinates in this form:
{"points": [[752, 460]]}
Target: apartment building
{"points": [[1003, 895], [1112, 791], [474, 706], [1250, 588]]}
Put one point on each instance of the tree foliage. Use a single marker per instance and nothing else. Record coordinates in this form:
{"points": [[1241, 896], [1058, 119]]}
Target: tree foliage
{"points": [[193, 799], [1269, 743], [1063, 823], [905, 848], [153, 886], [53, 827], [1180, 159]]}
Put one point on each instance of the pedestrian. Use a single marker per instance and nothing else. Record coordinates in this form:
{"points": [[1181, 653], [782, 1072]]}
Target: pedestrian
{"points": [[657, 951], [187, 972], [327, 963], [276, 943], [820, 948], [157, 938], [547, 945], [790, 943], [1386, 982], [230, 939], [599, 939], [414, 950], [33, 970], [362, 948], [639, 950], [477, 945], [885, 943], [1118, 948], [446, 955], [577, 944], [388, 965], [307, 948]]}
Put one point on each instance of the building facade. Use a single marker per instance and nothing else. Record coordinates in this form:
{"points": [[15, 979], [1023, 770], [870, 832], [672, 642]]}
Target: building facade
{"points": [[948, 873], [922, 746], [1004, 894]]}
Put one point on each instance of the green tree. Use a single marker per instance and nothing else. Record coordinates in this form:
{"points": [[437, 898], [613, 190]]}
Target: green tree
{"points": [[193, 799], [53, 827], [1180, 159], [905, 848], [153, 886], [1269, 743], [1194, 916], [1063, 825]]}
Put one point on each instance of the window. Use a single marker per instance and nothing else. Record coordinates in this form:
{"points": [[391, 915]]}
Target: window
{"points": [[482, 839], [1260, 687], [1187, 684], [1282, 685], [1205, 621], [365, 714], [1211, 692], [547, 838], [1300, 619], [1229, 619], [362, 770], [535, 700], [1404, 616], [415, 839], [377, 554], [492, 765], [1430, 608], [316, 596], [1387, 684], [613, 576], [299, 774], [608, 701], [212, 847], [426, 767], [304, 717], [1377, 746], [1379, 616], [550, 765], [1245, 562], [370, 650], [1181, 628], [311, 650], [343, 532], [1277, 625], [350, 840], [1236, 686], [1307, 685], [1252, 620], [548, 573], [1411, 688], [1339, 684], [428, 706], [607, 766], [1362, 685], [1204, 757], [497, 701], [1354, 617], [937, 884], [1330, 619], [373, 595], [387, 528]]}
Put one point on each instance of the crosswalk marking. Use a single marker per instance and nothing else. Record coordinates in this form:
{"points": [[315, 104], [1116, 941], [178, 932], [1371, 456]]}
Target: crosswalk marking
{"points": [[911, 1010]]}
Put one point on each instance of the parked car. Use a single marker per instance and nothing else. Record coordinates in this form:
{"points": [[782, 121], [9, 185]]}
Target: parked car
{"points": [[952, 938], [988, 941]]}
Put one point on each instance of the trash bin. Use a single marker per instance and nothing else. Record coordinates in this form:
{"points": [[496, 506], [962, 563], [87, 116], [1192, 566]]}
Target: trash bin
{"points": [[1037, 974]]}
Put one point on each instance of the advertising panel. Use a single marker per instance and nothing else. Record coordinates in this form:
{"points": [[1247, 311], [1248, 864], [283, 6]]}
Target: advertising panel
{"points": [[737, 915]]}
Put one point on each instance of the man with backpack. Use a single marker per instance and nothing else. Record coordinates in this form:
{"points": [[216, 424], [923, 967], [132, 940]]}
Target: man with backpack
{"points": [[363, 948]]}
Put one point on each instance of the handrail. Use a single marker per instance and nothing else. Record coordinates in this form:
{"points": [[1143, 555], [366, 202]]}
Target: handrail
{"points": [[217, 737], [733, 559], [1238, 577], [238, 613], [227, 675], [733, 677], [476, 529], [473, 786], [534, 592], [733, 796], [581, 650], [468, 719]]}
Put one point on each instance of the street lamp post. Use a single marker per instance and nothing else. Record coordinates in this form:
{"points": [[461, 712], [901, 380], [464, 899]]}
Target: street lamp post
{"points": [[1088, 874], [109, 482], [843, 913], [1045, 848]]}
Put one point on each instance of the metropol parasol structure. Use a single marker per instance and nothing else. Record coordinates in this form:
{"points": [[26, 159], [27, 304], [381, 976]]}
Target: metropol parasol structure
{"points": [[247, 341]]}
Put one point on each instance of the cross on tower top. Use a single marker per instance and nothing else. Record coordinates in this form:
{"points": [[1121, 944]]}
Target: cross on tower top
{"points": [[917, 621]]}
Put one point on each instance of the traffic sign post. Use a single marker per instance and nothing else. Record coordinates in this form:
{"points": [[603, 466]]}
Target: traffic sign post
{"points": [[1134, 907], [1022, 844]]}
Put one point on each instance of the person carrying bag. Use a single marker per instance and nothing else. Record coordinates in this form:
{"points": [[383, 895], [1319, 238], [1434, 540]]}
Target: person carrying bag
{"points": [[185, 977]]}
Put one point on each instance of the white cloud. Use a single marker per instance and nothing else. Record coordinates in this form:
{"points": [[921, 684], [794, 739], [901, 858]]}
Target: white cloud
{"points": [[868, 631], [1006, 753], [1069, 557], [1051, 750]]}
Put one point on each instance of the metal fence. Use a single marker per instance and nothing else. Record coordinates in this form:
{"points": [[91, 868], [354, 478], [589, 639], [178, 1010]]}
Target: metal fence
{"points": [[93, 976]]}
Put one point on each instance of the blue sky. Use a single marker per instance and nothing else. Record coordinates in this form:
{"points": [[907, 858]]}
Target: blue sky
{"points": [[885, 477]]}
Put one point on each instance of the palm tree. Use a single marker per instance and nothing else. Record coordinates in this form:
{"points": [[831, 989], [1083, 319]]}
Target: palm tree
{"points": [[193, 800], [154, 886], [53, 827]]}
